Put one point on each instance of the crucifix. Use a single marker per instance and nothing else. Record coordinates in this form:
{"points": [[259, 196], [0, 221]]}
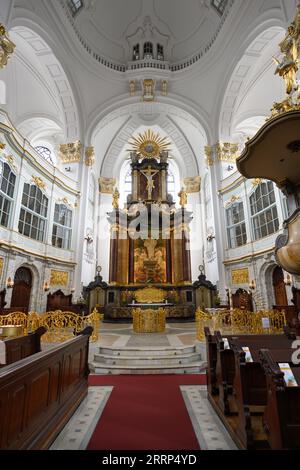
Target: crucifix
{"points": [[149, 174]]}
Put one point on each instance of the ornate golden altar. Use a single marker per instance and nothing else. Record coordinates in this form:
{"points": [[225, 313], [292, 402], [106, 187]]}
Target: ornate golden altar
{"points": [[149, 320]]}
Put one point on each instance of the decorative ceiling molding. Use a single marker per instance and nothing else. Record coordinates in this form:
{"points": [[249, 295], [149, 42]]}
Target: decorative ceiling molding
{"points": [[239, 77], [122, 66], [53, 71]]}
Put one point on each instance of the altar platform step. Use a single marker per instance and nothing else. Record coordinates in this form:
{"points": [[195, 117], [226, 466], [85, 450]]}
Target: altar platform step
{"points": [[147, 361]]}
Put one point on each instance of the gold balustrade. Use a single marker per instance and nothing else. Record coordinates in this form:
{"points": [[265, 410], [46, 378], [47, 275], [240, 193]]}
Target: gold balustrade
{"points": [[239, 321], [61, 326]]}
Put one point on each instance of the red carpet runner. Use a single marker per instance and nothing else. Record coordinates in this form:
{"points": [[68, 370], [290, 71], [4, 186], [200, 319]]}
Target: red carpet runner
{"points": [[145, 412]]}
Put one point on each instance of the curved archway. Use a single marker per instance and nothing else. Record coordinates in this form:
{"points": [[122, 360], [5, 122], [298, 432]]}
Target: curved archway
{"points": [[32, 40], [253, 68]]}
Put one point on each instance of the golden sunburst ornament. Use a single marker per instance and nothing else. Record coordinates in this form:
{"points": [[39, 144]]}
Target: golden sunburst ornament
{"points": [[149, 144]]}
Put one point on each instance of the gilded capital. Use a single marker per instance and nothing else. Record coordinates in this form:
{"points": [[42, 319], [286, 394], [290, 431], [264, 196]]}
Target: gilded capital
{"points": [[7, 47], [38, 182], [90, 156], [209, 155], [70, 153], [107, 185], [192, 185], [227, 152]]}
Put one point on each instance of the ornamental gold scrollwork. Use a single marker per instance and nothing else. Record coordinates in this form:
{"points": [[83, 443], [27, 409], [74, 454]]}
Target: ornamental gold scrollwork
{"points": [[209, 155], [90, 156], [150, 295], [149, 320], [1, 266], [71, 152], [7, 47], [38, 182]]}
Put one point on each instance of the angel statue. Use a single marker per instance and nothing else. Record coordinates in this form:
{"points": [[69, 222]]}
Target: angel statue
{"points": [[288, 67], [183, 197], [115, 199], [6, 46]]}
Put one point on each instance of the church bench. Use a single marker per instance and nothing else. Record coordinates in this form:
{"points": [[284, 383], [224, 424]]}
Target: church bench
{"points": [[211, 357], [39, 394], [226, 364], [282, 413], [250, 390], [22, 346]]}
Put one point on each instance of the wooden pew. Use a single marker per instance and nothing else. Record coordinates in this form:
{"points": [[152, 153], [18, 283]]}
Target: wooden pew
{"points": [[211, 357], [226, 364], [39, 394], [23, 346], [282, 413], [250, 391]]}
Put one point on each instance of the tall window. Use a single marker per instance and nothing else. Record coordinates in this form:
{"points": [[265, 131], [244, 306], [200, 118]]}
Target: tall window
{"points": [[148, 50], [136, 52], [236, 227], [171, 185], [7, 188], [219, 5], [75, 6], [264, 211], [160, 52], [33, 214], [62, 227]]}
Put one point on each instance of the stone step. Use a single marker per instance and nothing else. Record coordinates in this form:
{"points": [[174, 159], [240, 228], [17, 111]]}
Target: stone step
{"points": [[147, 360], [155, 351], [192, 368]]}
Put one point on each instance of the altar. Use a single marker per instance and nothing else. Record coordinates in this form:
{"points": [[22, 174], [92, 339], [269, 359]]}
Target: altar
{"points": [[149, 320]]}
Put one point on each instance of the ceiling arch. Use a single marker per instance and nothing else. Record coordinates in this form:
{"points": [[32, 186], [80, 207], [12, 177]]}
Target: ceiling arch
{"points": [[241, 98], [37, 47]]}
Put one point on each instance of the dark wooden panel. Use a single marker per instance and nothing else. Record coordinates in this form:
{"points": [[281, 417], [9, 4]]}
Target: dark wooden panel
{"points": [[45, 388]]}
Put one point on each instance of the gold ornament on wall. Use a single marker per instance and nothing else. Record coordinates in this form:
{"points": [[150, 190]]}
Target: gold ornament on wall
{"points": [[59, 278], [149, 144], [90, 156], [148, 90], [256, 182], [240, 276], [7, 47], [209, 155], [232, 200], [70, 153], [288, 66], [107, 185], [38, 182], [192, 185], [227, 152]]}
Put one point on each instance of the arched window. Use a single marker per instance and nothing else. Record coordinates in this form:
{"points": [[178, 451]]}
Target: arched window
{"points": [[7, 189], [148, 50], [160, 52], [236, 227], [62, 227], [171, 184], [136, 52], [264, 211], [46, 153], [33, 213]]}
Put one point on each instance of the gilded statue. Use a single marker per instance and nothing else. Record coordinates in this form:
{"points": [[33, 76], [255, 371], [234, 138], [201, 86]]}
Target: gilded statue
{"points": [[6, 47], [183, 197], [115, 199]]}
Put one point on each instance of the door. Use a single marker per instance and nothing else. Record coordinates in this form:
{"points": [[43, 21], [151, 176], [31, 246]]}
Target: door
{"points": [[22, 289], [279, 287]]}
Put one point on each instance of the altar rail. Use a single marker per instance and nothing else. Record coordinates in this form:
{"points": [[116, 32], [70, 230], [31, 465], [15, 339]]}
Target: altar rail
{"points": [[237, 321], [39, 394], [60, 326]]}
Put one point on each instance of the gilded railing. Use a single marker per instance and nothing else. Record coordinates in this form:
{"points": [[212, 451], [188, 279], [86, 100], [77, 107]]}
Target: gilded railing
{"points": [[238, 321], [61, 326]]}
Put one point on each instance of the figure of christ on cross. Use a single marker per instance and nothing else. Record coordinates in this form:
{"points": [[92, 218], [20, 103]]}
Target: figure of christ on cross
{"points": [[149, 174]]}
